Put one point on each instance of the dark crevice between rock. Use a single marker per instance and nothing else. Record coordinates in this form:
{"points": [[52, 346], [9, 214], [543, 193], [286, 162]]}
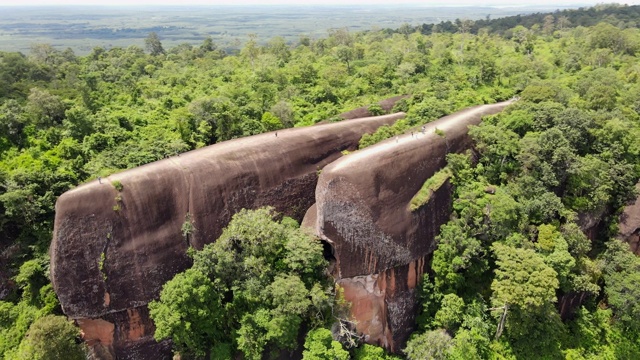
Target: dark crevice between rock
{"points": [[328, 254], [102, 263], [188, 217]]}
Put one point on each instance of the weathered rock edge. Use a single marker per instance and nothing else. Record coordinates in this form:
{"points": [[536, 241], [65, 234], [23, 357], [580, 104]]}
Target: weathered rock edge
{"points": [[380, 245], [112, 250]]}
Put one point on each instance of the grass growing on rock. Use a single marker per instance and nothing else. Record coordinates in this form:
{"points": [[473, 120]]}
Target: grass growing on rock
{"points": [[432, 184]]}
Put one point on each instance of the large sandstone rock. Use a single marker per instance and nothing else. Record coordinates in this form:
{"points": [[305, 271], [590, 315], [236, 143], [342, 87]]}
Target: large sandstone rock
{"points": [[629, 226], [380, 245], [113, 249]]}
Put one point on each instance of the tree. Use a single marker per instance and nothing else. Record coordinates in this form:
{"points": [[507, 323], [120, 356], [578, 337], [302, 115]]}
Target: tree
{"points": [[345, 53], [600, 96], [251, 49], [277, 322], [190, 313], [589, 184], [279, 48], [499, 149], [548, 25], [270, 122], [621, 273], [319, 345], [372, 352], [578, 243], [548, 156], [14, 71], [525, 39], [524, 288], [522, 278], [460, 165], [284, 112], [153, 44], [208, 45], [475, 330], [469, 344], [44, 54], [556, 254], [51, 338], [341, 36], [457, 253], [465, 25], [431, 345], [449, 316], [605, 35], [428, 109], [542, 91], [577, 126], [78, 122], [221, 116], [563, 22], [45, 109], [12, 121]]}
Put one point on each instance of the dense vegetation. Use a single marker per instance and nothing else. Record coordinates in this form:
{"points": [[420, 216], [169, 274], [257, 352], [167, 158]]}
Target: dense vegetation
{"points": [[252, 289], [566, 154], [622, 16]]}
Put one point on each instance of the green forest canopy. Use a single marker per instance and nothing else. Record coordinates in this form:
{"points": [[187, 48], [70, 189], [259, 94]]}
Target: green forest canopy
{"points": [[569, 147]]}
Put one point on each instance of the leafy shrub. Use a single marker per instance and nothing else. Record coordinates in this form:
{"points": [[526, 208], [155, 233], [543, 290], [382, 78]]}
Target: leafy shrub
{"points": [[117, 185]]}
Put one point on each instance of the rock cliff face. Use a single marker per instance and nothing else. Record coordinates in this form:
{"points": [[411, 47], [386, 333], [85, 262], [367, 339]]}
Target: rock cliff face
{"points": [[118, 240], [629, 226], [380, 245]]}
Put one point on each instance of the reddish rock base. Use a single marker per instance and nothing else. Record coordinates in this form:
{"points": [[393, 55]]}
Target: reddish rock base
{"points": [[380, 303], [125, 335]]}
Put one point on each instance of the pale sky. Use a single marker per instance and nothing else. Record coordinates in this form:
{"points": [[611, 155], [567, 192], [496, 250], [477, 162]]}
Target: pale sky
{"points": [[306, 2]]}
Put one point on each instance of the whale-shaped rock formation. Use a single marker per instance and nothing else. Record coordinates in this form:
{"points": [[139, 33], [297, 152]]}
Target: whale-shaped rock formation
{"points": [[381, 246], [118, 240]]}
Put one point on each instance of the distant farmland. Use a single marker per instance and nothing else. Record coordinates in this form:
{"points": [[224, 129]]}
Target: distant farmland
{"points": [[83, 28]]}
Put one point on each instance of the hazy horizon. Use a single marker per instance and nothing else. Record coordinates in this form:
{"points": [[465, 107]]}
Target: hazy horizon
{"points": [[83, 25], [440, 3]]}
